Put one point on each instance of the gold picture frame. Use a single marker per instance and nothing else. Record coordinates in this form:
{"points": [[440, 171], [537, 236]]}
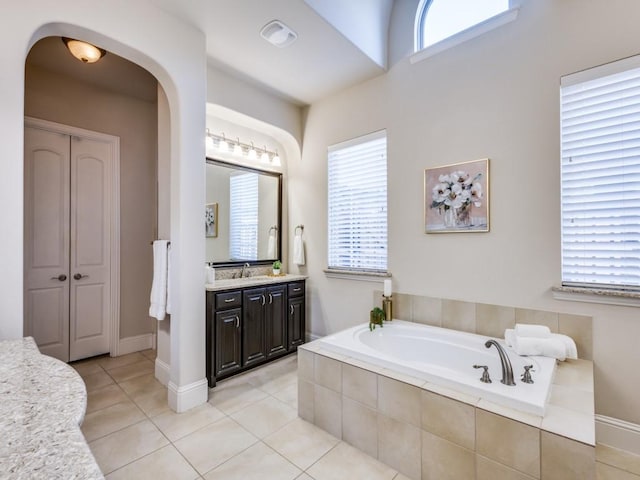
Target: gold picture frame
{"points": [[456, 198], [211, 220]]}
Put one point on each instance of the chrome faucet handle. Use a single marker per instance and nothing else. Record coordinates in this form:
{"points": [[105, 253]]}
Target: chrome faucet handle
{"points": [[485, 374], [526, 376]]}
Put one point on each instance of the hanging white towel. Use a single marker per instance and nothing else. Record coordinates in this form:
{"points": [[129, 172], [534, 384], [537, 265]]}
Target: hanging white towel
{"points": [[160, 305], [169, 307], [271, 245], [298, 249]]}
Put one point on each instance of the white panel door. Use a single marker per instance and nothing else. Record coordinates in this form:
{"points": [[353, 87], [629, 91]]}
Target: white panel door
{"points": [[46, 233], [90, 248], [68, 243]]}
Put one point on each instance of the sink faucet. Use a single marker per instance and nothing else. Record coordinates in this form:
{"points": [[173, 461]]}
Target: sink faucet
{"points": [[244, 270], [507, 370]]}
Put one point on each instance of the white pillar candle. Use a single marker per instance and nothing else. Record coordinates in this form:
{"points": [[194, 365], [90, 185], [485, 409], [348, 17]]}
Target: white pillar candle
{"points": [[387, 288]]}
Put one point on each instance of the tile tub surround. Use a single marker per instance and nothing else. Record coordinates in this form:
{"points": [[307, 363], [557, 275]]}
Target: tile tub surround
{"points": [[486, 319], [42, 404], [427, 431]]}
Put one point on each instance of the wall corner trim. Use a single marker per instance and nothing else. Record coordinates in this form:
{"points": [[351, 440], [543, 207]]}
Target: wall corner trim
{"points": [[162, 372], [186, 397]]}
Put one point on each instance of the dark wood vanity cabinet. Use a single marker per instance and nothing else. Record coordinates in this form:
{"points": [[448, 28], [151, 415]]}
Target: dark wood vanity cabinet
{"points": [[253, 325]]}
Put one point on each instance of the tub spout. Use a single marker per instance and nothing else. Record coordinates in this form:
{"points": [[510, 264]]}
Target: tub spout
{"points": [[507, 369]]}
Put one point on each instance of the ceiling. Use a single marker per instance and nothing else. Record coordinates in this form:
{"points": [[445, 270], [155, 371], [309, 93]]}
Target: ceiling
{"points": [[340, 43]]}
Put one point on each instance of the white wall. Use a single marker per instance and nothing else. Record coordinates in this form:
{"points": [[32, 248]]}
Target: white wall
{"points": [[178, 61], [496, 97]]}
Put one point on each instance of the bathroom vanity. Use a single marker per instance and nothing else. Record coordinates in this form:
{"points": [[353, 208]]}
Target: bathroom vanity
{"points": [[251, 321]]}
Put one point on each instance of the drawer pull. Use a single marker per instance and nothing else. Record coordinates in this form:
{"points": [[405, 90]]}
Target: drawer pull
{"points": [[237, 321], [229, 300], [297, 289], [270, 299], [264, 300], [291, 309]]}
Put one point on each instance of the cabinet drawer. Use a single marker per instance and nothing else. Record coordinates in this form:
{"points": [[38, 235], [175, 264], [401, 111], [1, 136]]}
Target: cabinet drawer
{"points": [[296, 289], [226, 300]]}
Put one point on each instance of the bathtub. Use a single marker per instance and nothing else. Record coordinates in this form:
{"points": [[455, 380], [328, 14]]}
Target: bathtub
{"points": [[446, 357]]}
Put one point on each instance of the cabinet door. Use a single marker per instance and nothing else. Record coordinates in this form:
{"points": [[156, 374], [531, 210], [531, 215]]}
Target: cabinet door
{"points": [[276, 321], [296, 322], [227, 342], [253, 326]]}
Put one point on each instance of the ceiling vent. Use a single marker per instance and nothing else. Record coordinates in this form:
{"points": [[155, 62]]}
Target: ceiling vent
{"points": [[278, 34]]}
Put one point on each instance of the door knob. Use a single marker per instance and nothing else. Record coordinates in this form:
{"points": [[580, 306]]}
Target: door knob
{"points": [[62, 277], [78, 276]]}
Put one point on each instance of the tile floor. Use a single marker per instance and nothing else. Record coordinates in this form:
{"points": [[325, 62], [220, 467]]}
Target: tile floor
{"points": [[248, 430]]}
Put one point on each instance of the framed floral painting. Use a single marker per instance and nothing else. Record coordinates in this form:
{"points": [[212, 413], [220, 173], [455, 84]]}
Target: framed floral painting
{"points": [[456, 198], [211, 220]]}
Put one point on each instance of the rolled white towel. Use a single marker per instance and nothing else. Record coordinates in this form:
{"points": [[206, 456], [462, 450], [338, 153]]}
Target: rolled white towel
{"points": [[533, 331], [547, 347], [571, 350]]}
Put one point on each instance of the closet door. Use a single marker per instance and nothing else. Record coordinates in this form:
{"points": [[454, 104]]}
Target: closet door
{"points": [[90, 248], [46, 233]]}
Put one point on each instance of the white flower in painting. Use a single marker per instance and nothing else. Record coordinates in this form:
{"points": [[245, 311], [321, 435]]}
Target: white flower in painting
{"points": [[444, 179], [439, 192], [455, 197], [208, 217], [476, 194]]}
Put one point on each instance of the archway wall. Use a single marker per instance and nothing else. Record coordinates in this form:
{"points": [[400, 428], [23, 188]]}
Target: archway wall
{"points": [[175, 54]]}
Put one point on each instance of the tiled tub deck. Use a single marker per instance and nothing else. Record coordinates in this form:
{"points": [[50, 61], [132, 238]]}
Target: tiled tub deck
{"points": [[426, 431]]}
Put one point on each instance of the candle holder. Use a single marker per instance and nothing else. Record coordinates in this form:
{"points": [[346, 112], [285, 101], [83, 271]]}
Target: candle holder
{"points": [[387, 306]]}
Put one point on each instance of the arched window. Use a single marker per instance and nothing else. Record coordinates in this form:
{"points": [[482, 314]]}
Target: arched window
{"points": [[440, 19]]}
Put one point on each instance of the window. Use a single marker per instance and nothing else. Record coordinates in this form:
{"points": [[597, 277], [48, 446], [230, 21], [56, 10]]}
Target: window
{"points": [[357, 175], [440, 19], [600, 141], [243, 216]]}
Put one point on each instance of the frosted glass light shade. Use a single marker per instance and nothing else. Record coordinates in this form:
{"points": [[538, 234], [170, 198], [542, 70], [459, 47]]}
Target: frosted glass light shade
{"points": [[83, 51]]}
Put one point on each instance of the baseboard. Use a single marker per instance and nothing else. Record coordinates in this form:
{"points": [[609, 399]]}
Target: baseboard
{"points": [[618, 434], [162, 372], [188, 396], [135, 344]]}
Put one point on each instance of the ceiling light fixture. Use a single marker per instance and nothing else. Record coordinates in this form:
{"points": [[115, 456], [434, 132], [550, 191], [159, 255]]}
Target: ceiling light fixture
{"points": [[264, 158], [278, 34], [83, 51], [222, 144], [237, 149], [252, 152]]}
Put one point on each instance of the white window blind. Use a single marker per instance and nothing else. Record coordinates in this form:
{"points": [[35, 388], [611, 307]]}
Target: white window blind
{"points": [[600, 129], [243, 207], [357, 177]]}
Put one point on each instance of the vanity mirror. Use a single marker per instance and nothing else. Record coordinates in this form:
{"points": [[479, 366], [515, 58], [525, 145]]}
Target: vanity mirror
{"points": [[249, 214]]}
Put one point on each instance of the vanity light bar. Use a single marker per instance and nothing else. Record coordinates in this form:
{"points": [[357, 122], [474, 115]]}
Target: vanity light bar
{"points": [[249, 150]]}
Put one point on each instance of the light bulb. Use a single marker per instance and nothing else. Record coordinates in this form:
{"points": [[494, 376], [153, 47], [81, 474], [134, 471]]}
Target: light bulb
{"points": [[264, 158], [237, 149], [252, 153], [223, 145], [276, 160]]}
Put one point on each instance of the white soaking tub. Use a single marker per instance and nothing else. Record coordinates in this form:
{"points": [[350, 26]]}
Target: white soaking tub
{"points": [[446, 357]]}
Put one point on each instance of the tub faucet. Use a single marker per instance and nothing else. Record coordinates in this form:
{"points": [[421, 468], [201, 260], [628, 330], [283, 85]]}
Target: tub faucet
{"points": [[244, 270], [507, 369]]}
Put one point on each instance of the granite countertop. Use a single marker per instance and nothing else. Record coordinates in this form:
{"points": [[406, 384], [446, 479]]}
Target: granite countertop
{"points": [[42, 404], [231, 283]]}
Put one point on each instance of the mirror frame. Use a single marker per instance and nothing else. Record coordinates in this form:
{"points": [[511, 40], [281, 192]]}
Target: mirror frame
{"points": [[223, 163]]}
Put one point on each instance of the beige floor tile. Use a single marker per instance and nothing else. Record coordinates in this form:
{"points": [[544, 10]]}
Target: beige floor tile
{"points": [[126, 445], [177, 425], [85, 369], [301, 442], [163, 464], [265, 417], [289, 395], [153, 403], [345, 462], [257, 462], [235, 397], [140, 385], [151, 354], [109, 363], [127, 372], [105, 397], [279, 383], [111, 419], [401, 477], [304, 476], [97, 380], [607, 472], [618, 458], [214, 444]]}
